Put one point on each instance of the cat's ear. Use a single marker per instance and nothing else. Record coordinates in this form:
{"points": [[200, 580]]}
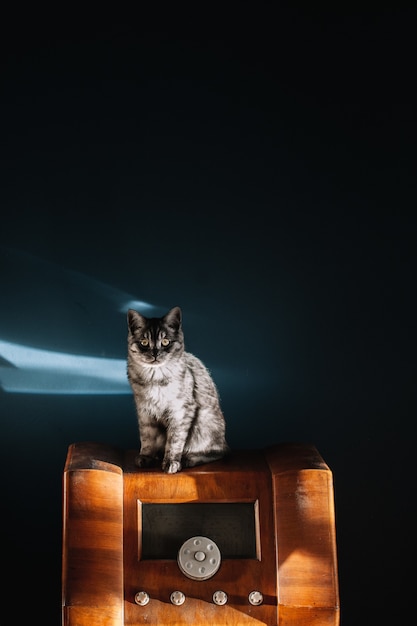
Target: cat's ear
{"points": [[173, 318], [134, 320]]}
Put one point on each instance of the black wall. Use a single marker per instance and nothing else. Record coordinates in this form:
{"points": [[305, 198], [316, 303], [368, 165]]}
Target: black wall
{"points": [[255, 168]]}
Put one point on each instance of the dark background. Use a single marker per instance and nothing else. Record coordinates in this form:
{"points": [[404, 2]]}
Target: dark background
{"points": [[254, 165]]}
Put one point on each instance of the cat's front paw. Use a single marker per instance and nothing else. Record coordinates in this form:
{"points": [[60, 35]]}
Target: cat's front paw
{"points": [[171, 467], [145, 460]]}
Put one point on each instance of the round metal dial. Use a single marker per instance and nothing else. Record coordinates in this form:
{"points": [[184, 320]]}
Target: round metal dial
{"points": [[199, 558]]}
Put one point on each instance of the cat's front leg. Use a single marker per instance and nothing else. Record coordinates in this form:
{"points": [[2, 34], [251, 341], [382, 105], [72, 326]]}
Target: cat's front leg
{"points": [[177, 434], [146, 460], [171, 467], [152, 439]]}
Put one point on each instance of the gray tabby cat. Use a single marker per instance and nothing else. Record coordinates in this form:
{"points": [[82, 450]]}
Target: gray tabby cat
{"points": [[179, 416]]}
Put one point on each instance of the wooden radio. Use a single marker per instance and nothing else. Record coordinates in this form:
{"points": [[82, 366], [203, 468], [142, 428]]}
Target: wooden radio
{"points": [[246, 540]]}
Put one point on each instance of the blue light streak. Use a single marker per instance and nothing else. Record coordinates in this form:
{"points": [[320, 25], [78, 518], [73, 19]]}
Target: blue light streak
{"points": [[32, 370]]}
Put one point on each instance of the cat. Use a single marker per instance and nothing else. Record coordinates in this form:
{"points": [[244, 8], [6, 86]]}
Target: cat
{"points": [[181, 423]]}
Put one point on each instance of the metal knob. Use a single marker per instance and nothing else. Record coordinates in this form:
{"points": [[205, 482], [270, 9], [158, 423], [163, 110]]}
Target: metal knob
{"points": [[220, 597], [256, 598], [142, 598], [177, 598], [199, 558]]}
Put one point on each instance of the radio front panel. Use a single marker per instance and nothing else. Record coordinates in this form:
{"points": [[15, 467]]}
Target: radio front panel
{"points": [[206, 536]]}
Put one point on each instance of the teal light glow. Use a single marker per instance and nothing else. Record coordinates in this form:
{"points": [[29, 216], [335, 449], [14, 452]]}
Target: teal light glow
{"points": [[32, 370]]}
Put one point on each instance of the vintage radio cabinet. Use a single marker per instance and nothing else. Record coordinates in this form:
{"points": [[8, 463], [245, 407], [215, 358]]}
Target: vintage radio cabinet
{"points": [[244, 541]]}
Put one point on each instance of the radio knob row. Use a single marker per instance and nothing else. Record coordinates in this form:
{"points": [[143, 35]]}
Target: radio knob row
{"points": [[219, 597]]}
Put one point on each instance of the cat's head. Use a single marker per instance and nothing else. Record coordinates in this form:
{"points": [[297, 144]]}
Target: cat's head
{"points": [[155, 341]]}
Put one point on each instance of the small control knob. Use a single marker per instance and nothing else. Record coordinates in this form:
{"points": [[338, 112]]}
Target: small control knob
{"points": [[256, 598], [220, 597], [177, 598], [142, 598]]}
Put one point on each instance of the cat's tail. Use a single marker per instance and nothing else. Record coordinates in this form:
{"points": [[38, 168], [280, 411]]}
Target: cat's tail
{"points": [[191, 459]]}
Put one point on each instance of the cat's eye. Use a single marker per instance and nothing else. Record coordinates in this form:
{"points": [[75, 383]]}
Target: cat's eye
{"points": [[144, 342], [165, 342]]}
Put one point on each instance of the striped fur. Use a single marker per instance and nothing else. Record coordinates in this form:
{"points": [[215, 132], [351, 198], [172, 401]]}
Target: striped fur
{"points": [[180, 420]]}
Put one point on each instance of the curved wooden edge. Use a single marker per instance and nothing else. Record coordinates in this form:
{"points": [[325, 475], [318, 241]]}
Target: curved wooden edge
{"points": [[92, 557], [306, 535], [93, 455], [290, 456]]}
